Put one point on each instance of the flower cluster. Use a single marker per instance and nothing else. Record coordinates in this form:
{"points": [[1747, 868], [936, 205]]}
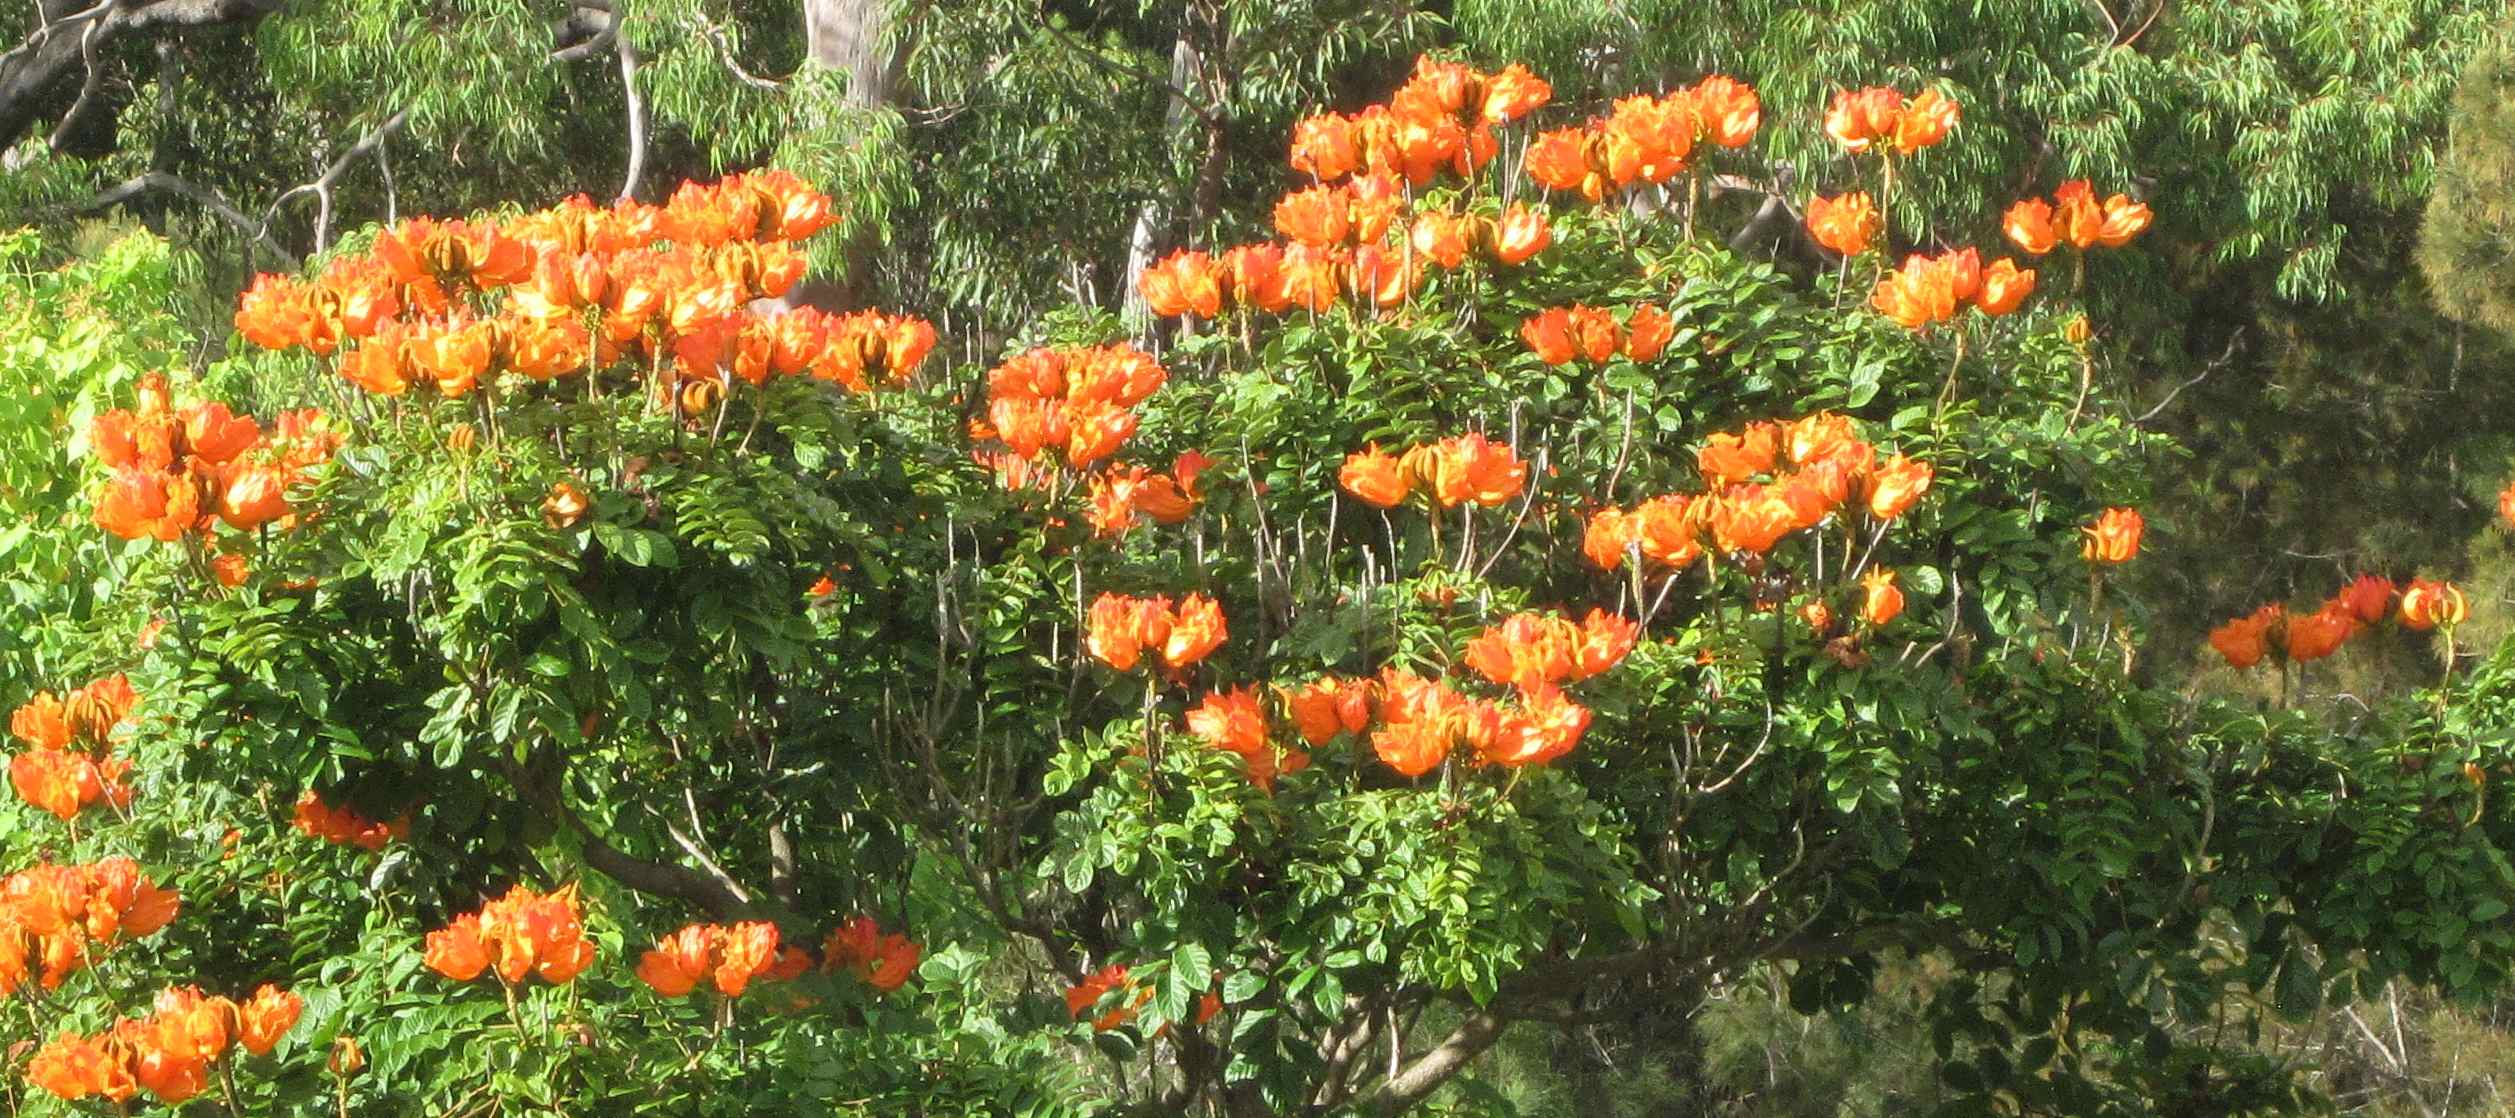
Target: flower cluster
{"points": [[1443, 117], [1533, 651], [1423, 721], [2305, 637], [728, 955], [1765, 481], [882, 960], [1451, 472], [61, 917], [1078, 402], [1121, 629], [1120, 494], [1645, 139], [1338, 230], [2076, 217], [521, 934], [571, 290], [1883, 119], [1233, 721], [1930, 289], [1845, 223], [1558, 335], [340, 825], [168, 1053], [72, 766], [180, 468]]}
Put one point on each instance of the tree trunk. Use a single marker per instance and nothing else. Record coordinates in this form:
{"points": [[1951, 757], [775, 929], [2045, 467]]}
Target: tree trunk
{"points": [[849, 35], [1148, 238], [860, 38]]}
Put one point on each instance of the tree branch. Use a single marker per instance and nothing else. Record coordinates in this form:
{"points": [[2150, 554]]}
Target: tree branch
{"points": [[637, 116], [321, 187], [201, 196], [660, 879]]}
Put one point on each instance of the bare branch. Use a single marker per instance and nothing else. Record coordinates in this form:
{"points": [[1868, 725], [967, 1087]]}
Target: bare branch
{"points": [[637, 117], [201, 196], [321, 187]]}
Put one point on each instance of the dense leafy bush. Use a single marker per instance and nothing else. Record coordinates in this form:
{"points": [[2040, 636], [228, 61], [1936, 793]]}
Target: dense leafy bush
{"points": [[1538, 607]]}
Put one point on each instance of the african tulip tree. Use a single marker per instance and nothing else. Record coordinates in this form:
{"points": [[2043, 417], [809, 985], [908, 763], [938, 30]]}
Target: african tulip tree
{"points": [[1494, 607]]}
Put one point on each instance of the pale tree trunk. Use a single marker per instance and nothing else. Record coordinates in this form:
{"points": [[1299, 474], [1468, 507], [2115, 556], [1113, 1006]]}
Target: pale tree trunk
{"points": [[858, 37], [1177, 126], [848, 35]]}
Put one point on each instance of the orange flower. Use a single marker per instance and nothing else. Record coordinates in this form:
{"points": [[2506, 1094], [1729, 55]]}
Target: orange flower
{"points": [[1548, 334], [1196, 630], [1647, 333], [65, 782], [882, 960], [1560, 160], [1374, 478], [1327, 706], [523, 933], [1319, 217], [1465, 468], [341, 825], [1818, 616], [1442, 238], [565, 506], [2316, 635], [1119, 628], [2427, 603], [1607, 536], [2080, 219], [2245, 640], [1924, 121], [2506, 505], [1313, 277], [2368, 598], [1520, 233], [73, 1067], [1256, 277], [1384, 276], [2114, 537], [1729, 109], [1881, 600], [2004, 287], [2123, 220], [1512, 93], [1728, 459], [1857, 120], [1527, 650], [1923, 291], [256, 495], [266, 1017], [1668, 532], [1649, 138], [1184, 282], [1323, 145], [1752, 519], [743, 952], [1232, 721], [1097, 986], [1594, 333], [1845, 223], [456, 950], [2029, 225], [676, 964], [1546, 726], [1897, 483]]}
